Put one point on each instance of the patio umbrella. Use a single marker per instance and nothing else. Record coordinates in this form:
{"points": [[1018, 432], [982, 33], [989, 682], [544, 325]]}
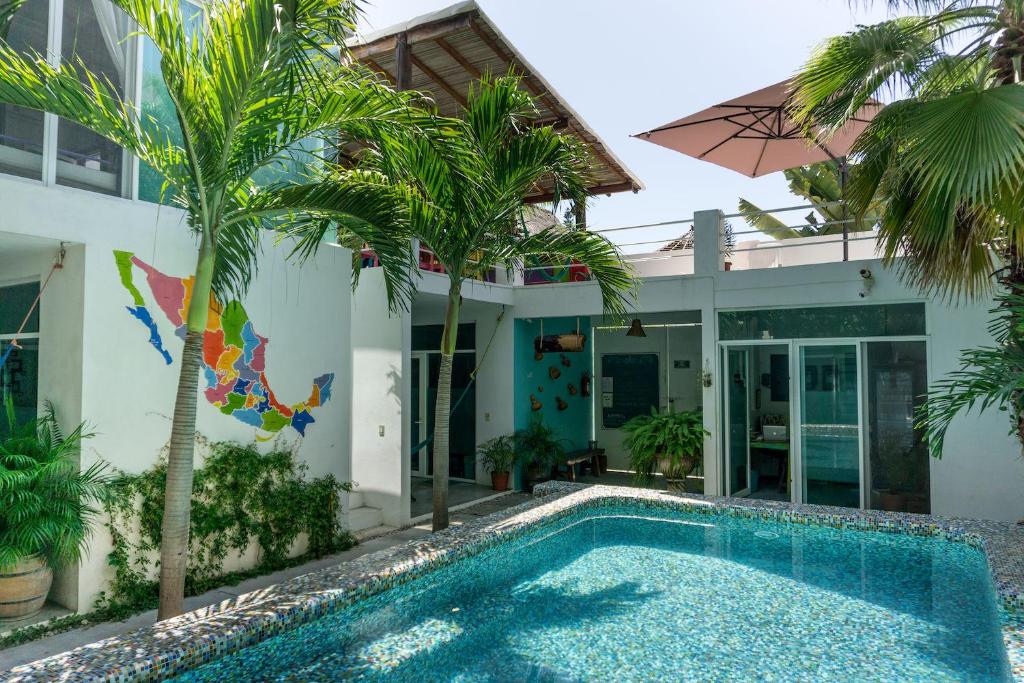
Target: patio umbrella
{"points": [[754, 135]]}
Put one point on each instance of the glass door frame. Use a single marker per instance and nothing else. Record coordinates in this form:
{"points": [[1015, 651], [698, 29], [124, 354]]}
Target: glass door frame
{"points": [[723, 370], [796, 405], [795, 423], [419, 429]]}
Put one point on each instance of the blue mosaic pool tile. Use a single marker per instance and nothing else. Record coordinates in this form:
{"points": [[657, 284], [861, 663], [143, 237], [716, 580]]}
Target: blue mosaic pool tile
{"points": [[185, 642]]}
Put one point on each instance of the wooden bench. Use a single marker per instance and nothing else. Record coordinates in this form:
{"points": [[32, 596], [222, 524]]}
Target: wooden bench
{"points": [[586, 455]]}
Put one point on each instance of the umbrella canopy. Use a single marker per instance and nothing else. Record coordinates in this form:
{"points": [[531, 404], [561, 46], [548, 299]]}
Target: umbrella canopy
{"points": [[754, 135]]}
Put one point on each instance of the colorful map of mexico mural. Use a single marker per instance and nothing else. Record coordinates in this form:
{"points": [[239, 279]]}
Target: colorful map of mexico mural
{"points": [[234, 355]]}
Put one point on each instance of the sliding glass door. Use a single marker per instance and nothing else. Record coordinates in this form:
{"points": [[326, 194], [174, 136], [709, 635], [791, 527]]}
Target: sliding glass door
{"points": [[737, 415], [830, 424]]}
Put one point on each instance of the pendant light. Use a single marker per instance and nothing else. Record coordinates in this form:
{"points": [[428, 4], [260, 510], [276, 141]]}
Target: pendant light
{"points": [[636, 329]]}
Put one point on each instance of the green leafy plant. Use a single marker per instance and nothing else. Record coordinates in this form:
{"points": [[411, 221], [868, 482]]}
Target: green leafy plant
{"points": [[988, 377], [498, 454], [942, 163], [251, 85], [538, 448], [239, 497], [47, 503], [670, 441], [464, 197], [819, 184]]}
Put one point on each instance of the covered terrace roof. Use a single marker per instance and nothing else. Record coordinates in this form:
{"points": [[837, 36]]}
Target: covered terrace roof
{"points": [[449, 49]]}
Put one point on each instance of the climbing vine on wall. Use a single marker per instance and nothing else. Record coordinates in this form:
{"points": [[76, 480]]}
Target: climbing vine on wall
{"points": [[239, 497]]}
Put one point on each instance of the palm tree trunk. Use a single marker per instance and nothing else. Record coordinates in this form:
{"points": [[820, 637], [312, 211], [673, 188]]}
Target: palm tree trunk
{"points": [[442, 411], [174, 529]]}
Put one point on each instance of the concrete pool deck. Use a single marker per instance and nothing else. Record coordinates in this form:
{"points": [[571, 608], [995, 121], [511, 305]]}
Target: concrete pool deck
{"points": [[199, 637]]}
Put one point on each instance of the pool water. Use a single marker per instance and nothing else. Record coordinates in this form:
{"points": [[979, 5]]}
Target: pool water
{"points": [[621, 595]]}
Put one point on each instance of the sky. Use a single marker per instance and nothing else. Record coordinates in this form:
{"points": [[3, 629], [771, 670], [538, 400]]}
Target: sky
{"points": [[630, 67]]}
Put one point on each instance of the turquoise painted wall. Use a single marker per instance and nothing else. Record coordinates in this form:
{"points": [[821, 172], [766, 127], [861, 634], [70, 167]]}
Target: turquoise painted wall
{"points": [[574, 424]]}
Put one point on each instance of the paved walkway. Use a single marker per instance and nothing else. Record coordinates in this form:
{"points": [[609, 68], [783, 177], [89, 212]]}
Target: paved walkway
{"points": [[61, 642]]}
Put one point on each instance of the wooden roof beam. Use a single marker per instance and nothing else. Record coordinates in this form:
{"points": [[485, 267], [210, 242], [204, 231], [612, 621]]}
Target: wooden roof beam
{"points": [[437, 29], [436, 78], [381, 70], [458, 57], [596, 190], [534, 90]]}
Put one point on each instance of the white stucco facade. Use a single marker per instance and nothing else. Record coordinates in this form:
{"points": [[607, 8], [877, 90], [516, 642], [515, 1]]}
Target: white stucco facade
{"points": [[95, 361], [97, 365]]}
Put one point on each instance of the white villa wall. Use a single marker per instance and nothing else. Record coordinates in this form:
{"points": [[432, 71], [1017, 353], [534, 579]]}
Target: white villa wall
{"points": [[381, 341], [981, 472], [126, 390]]}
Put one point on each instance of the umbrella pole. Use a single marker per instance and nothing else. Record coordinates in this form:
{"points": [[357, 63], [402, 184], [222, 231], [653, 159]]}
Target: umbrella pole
{"points": [[844, 170]]}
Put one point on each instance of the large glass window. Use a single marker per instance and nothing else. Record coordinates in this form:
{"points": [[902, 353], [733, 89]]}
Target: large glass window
{"points": [[830, 425], [21, 130], [885, 320], [897, 381], [96, 32], [20, 373], [156, 103]]}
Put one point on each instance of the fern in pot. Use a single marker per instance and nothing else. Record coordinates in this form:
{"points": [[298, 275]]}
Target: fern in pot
{"points": [[671, 443], [538, 449], [497, 456], [47, 507]]}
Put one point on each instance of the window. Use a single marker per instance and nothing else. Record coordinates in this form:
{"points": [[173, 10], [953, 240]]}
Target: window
{"points": [[886, 320], [898, 460], [21, 130], [97, 33], [156, 103], [19, 375]]}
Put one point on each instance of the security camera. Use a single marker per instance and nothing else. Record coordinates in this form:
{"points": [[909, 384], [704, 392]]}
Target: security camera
{"points": [[869, 282]]}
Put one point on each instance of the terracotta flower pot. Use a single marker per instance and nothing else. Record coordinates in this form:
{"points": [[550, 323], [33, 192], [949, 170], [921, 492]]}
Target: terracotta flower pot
{"points": [[23, 589], [499, 481]]}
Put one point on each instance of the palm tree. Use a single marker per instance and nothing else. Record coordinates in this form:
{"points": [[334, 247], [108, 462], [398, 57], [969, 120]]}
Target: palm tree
{"points": [[944, 161], [464, 198], [249, 84], [819, 184]]}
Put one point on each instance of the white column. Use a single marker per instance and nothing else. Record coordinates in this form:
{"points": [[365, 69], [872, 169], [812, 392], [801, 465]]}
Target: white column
{"points": [[709, 262], [708, 258]]}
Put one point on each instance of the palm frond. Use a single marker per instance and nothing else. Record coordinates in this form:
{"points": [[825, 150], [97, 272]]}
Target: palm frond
{"points": [[601, 257], [765, 222]]}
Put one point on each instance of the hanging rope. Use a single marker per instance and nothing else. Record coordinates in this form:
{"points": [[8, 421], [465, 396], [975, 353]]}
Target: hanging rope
{"points": [[59, 263], [472, 378]]}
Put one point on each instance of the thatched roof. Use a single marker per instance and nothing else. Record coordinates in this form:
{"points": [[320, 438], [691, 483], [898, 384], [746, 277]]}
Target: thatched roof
{"points": [[451, 48]]}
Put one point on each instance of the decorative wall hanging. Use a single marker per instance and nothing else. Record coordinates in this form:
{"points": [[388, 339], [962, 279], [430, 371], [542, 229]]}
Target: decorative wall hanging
{"points": [[572, 389], [585, 384], [535, 405], [565, 361], [554, 373], [562, 405], [538, 356], [540, 388], [568, 343]]}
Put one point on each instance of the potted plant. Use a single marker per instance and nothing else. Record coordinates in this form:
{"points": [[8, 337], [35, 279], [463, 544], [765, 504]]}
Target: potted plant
{"points": [[671, 442], [46, 508], [497, 455], [538, 449]]}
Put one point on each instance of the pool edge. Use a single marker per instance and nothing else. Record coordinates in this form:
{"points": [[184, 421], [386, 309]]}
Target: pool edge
{"points": [[179, 644]]}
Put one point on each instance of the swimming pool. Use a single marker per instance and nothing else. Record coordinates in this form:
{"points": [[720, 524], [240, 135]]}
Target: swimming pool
{"points": [[623, 592]]}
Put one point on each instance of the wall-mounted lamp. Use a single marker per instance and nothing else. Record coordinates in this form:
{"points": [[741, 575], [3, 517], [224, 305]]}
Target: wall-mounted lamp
{"points": [[636, 329]]}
